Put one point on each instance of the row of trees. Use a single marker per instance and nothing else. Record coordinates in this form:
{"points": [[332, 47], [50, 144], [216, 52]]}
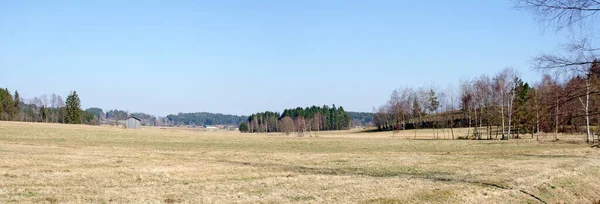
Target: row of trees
{"points": [[46, 108], [499, 107], [116, 115], [300, 120], [410, 108], [361, 118], [578, 58], [567, 101], [146, 119], [204, 118], [120, 115]]}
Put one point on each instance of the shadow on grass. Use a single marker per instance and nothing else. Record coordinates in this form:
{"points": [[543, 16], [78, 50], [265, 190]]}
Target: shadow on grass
{"points": [[349, 171], [371, 130], [400, 171]]}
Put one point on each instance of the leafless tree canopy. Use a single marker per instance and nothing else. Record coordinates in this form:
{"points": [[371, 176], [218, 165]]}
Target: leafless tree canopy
{"points": [[558, 15], [561, 14]]}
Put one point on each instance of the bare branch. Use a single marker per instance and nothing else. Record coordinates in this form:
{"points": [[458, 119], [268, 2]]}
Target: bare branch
{"points": [[560, 13]]}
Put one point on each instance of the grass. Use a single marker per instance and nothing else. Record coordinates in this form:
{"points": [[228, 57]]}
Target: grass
{"points": [[54, 163]]}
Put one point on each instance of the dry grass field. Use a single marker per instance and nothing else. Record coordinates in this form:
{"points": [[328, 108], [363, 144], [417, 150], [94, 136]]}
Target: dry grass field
{"points": [[54, 163]]}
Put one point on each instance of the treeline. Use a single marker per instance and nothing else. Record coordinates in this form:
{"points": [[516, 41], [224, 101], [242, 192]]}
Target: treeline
{"points": [[146, 119], [46, 108], [361, 118], [204, 118], [114, 116], [499, 107], [300, 120]]}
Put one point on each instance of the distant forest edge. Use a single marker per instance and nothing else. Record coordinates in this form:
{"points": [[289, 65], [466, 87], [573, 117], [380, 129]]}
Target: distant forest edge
{"points": [[299, 120], [361, 118], [46, 108], [51, 108], [204, 118]]}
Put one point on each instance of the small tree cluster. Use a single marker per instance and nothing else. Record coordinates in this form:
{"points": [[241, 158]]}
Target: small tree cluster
{"points": [[301, 120]]}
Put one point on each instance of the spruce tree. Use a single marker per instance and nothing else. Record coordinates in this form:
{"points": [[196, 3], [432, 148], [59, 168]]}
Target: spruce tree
{"points": [[6, 106], [16, 109], [73, 108]]}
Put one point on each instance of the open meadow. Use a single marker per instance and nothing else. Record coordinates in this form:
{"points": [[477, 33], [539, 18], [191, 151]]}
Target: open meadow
{"points": [[56, 163]]}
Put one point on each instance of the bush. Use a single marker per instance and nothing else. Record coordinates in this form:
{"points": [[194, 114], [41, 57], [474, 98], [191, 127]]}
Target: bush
{"points": [[243, 127]]}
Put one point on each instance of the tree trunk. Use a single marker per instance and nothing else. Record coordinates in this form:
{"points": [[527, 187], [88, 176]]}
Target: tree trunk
{"points": [[532, 129], [510, 104], [415, 124], [537, 119], [502, 113], [469, 118], [480, 125], [476, 126], [404, 125], [587, 103], [556, 121]]}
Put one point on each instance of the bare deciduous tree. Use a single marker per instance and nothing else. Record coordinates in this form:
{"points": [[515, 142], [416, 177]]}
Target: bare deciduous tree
{"points": [[466, 103], [316, 123], [561, 14], [286, 125], [580, 54]]}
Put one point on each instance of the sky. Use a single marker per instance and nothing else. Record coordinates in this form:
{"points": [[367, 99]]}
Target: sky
{"points": [[241, 57]]}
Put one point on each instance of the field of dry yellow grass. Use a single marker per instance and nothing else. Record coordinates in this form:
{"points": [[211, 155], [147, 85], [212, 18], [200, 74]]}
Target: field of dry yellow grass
{"points": [[55, 163]]}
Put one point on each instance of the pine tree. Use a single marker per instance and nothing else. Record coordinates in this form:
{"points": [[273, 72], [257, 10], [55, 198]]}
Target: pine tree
{"points": [[16, 109], [73, 108]]}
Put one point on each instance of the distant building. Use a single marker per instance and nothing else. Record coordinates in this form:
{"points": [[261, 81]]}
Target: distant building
{"points": [[133, 123]]}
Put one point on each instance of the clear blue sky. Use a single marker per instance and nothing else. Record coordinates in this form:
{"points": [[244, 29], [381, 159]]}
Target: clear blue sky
{"points": [[241, 57]]}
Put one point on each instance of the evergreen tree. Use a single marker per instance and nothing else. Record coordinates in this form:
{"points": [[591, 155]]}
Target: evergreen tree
{"points": [[6, 105], [332, 118], [73, 108], [43, 113], [433, 102], [243, 127], [16, 109]]}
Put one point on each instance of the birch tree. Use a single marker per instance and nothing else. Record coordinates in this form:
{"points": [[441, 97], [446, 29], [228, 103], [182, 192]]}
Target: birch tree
{"points": [[576, 16]]}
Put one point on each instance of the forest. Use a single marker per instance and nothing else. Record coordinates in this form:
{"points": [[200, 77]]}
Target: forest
{"points": [[300, 120], [360, 118], [204, 118]]}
